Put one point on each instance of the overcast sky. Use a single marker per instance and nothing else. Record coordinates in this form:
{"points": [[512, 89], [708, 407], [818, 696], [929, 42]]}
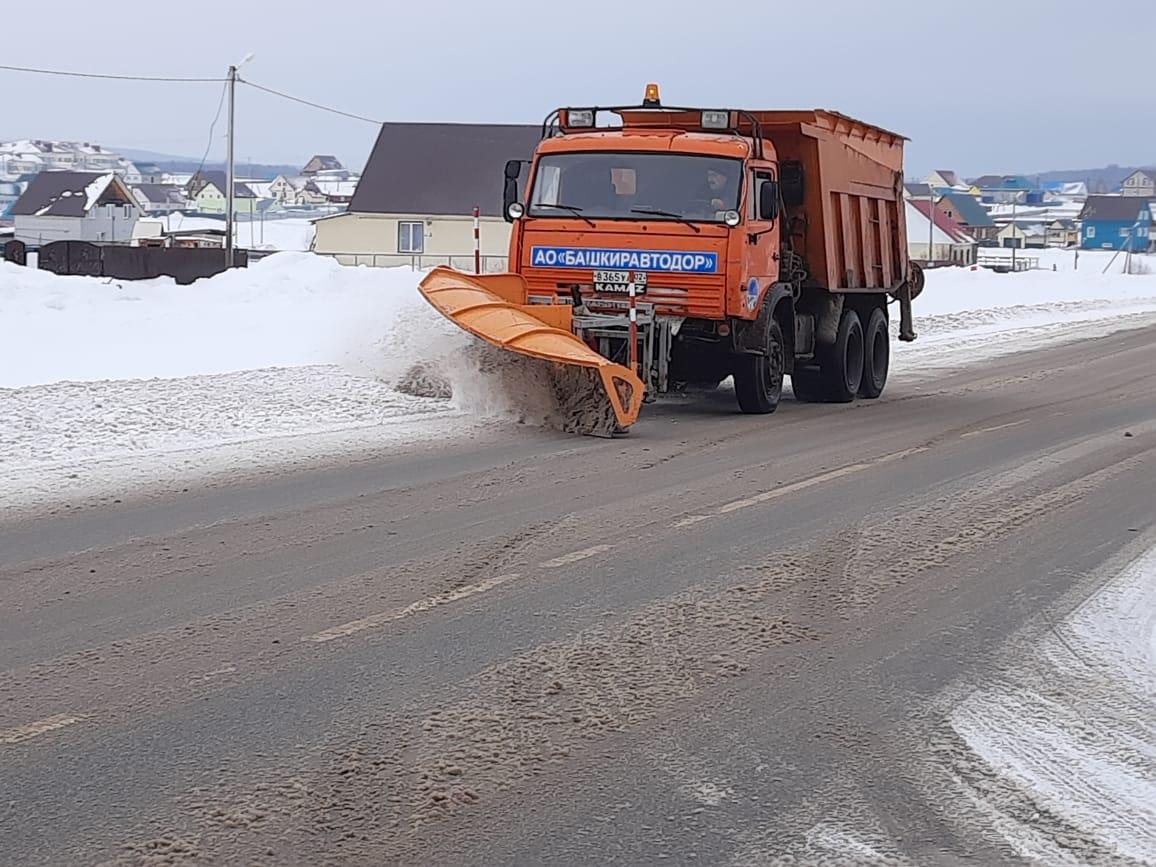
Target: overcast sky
{"points": [[978, 86]]}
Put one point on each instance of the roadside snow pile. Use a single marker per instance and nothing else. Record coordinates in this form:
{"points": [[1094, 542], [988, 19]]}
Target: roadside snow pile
{"points": [[1068, 769], [288, 310], [958, 290], [1012, 311], [105, 381], [106, 385]]}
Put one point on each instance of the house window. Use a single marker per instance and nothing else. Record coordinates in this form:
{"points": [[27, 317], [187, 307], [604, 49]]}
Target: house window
{"points": [[1124, 233], [1091, 231], [410, 237]]}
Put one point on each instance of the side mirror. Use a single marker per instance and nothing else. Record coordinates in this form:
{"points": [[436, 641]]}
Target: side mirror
{"points": [[510, 187], [769, 200]]}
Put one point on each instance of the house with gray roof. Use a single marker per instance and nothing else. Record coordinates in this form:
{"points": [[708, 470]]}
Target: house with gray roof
{"points": [[161, 198], [322, 163], [1141, 183], [206, 190], [415, 201], [1115, 223], [75, 206]]}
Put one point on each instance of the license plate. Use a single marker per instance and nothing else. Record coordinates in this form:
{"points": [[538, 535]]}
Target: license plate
{"points": [[619, 281]]}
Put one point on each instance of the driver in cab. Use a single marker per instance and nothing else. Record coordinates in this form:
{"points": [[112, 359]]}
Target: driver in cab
{"points": [[717, 191]]}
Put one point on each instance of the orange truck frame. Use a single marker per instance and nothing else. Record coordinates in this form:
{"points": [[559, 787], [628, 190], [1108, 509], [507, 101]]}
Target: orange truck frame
{"points": [[684, 245]]}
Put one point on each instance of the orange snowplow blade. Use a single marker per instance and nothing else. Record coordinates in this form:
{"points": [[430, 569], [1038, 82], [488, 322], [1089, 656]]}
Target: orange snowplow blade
{"points": [[493, 308]]}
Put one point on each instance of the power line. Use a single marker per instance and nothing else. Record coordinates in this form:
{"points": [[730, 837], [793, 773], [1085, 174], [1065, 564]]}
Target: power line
{"points": [[310, 104], [109, 76], [212, 126]]}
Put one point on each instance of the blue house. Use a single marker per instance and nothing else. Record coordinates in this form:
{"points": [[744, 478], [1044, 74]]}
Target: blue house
{"points": [[1115, 223], [10, 191]]}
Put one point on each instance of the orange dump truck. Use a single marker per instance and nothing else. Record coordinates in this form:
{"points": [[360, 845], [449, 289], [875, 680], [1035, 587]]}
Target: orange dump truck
{"points": [[681, 246]]}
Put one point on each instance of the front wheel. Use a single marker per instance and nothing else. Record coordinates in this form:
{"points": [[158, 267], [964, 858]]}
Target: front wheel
{"points": [[759, 378]]}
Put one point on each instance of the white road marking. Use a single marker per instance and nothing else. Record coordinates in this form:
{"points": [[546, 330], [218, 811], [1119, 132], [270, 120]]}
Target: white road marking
{"points": [[383, 617], [975, 433], [775, 493], [575, 556], [34, 729]]}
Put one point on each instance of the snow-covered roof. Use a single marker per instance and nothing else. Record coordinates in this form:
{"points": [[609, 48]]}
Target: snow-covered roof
{"points": [[336, 188], [69, 194]]}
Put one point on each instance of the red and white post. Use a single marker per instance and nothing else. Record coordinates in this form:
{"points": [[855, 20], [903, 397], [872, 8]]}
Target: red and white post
{"points": [[633, 326], [477, 240]]}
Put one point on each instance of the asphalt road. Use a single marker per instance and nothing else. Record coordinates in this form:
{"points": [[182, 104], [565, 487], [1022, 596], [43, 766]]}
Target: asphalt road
{"points": [[714, 641]]}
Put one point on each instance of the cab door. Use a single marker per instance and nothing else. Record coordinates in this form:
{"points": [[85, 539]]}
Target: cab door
{"points": [[760, 239]]}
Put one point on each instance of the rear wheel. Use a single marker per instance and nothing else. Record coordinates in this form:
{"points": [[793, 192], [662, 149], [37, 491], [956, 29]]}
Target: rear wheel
{"points": [[759, 378], [842, 363], [876, 354], [807, 384]]}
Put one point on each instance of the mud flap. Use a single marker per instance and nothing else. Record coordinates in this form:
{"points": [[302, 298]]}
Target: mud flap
{"points": [[911, 289], [594, 395]]}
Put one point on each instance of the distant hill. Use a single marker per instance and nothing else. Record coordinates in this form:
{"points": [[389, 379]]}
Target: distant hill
{"points": [[1102, 180], [173, 163]]}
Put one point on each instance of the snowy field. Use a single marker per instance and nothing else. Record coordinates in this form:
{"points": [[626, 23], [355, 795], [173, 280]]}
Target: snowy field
{"points": [[112, 386], [293, 234]]}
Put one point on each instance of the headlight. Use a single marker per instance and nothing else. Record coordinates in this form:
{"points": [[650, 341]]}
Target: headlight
{"points": [[732, 218], [516, 210], [716, 119], [580, 117]]}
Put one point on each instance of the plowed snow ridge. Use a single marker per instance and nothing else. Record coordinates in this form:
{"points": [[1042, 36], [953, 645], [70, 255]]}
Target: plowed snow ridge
{"points": [[1072, 730], [107, 386]]}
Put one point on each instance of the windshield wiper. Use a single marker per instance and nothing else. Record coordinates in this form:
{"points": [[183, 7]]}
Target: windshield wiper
{"points": [[573, 209], [656, 212]]}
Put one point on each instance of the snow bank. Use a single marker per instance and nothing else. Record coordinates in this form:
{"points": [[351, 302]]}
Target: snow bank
{"points": [[1065, 736], [288, 310], [99, 378], [296, 309], [954, 290]]}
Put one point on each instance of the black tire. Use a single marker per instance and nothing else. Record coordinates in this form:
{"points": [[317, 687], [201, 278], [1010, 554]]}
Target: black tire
{"points": [[759, 378], [842, 364], [876, 355], [807, 384]]}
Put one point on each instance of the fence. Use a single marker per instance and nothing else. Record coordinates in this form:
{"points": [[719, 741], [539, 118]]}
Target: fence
{"points": [[135, 263], [15, 252], [1004, 264], [465, 262]]}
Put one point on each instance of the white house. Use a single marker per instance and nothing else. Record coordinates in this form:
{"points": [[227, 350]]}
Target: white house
{"points": [[415, 200], [943, 178], [160, 198], [296, 190], [1141, 182], [938, 241], [75, 206]]}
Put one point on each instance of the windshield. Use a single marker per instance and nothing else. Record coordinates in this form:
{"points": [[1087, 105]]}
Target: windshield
{"points": [[635, 185]]}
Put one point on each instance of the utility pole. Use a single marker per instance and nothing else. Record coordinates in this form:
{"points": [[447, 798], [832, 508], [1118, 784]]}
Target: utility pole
{"points": [[930, 224], [229, 182], [1015, 231]]}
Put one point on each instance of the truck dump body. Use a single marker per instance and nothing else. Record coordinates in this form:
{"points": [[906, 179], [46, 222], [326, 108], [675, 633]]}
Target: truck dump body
{"points": [[848, 222]]}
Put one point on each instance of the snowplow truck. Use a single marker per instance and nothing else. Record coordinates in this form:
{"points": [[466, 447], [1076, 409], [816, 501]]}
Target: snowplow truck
{"points": [[653, 248]]}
